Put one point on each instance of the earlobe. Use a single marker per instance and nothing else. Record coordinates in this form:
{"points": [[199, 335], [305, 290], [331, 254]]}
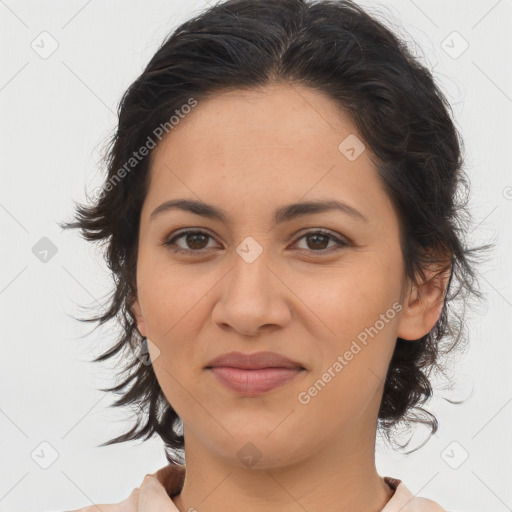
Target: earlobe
{"points": [[423, 306], [137, 311]]}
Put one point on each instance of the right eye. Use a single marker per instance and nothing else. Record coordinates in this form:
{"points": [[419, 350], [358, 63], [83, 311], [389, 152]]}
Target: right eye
{"points": [[193, 238]]}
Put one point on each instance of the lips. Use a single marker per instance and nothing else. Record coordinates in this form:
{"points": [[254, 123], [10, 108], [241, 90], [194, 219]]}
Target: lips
{"points": [[255, 361], [253, 374]]}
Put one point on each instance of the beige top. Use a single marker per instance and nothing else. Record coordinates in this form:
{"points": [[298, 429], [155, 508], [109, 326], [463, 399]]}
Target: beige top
{"points": [[157, 489]]}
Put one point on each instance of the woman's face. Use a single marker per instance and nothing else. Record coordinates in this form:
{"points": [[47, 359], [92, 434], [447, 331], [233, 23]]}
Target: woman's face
{"points": [[252, 282]]}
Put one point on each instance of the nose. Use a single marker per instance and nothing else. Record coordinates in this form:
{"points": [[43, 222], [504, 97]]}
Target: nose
{"points": [[253, 298]]}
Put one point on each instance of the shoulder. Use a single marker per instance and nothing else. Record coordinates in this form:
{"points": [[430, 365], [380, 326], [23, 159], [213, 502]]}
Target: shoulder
{"points": [[153, 493], [130, 504], [426, 505], [403, 500]]}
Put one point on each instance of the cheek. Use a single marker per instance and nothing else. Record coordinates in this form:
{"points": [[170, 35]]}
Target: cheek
{"points": [[354, 360], [170, 295], [346, 300], [175, 304], [358, 314]]}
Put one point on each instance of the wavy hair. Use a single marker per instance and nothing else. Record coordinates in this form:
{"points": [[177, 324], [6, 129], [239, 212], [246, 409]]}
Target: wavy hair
{"points": [[337, 48]]}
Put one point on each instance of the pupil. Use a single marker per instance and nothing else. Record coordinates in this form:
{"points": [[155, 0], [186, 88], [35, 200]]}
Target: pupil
{"points": [[317, 237], [195, 236]]}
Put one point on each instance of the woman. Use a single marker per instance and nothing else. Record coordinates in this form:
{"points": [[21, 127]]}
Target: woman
{"points": [[282, 223]]}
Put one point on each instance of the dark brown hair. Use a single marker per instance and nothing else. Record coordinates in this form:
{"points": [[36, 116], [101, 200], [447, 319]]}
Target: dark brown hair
{"points": [[335, 47]]}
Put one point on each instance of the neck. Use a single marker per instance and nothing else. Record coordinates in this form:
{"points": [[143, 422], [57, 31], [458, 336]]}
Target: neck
{"points": [[340, 476]]}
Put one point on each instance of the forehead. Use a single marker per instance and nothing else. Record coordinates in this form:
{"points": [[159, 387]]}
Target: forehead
{"points": [[278, 116], [253, 145]]}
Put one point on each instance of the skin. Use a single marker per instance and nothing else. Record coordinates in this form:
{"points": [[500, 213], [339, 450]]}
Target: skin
{"points": [[250, 152]]}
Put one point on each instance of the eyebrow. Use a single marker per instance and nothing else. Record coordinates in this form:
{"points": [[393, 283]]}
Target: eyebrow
{"points": [[283, 214]]}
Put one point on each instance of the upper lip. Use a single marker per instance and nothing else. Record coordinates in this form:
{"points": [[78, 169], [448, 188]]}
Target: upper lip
{"points": [[253, 361]]}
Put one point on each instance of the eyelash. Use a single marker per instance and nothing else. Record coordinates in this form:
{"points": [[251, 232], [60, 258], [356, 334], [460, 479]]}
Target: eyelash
{"points": [[191, 252]]}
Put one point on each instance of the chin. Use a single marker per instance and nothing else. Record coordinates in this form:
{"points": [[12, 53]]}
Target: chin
{"points": [[260, 450]]}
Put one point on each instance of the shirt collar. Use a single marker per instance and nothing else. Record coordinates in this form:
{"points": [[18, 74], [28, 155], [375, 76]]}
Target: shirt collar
{"points": [[157, 489]]}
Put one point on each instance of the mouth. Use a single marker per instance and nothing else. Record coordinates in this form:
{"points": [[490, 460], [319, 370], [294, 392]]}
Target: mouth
{"points": [[256, 373], [254, 361], [256, 381]]}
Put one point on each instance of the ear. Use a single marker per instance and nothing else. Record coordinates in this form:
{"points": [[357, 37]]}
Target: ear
{"points": [[423, 304], [137, 311]]}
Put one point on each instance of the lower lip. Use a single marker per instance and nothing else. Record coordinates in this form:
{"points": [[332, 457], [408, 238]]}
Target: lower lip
{"points": [[254, 382]]}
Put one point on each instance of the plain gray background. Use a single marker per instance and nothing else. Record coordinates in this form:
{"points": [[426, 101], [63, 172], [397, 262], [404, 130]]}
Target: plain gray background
{"points": [[57, 109]]}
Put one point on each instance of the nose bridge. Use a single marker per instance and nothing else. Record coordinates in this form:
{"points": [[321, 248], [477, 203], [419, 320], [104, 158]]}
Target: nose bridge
{"points": [[249, 294], [250, 274]]}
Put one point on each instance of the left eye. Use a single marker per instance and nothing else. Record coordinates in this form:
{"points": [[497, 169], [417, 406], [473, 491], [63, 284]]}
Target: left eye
{"points": [[318, 240]]}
